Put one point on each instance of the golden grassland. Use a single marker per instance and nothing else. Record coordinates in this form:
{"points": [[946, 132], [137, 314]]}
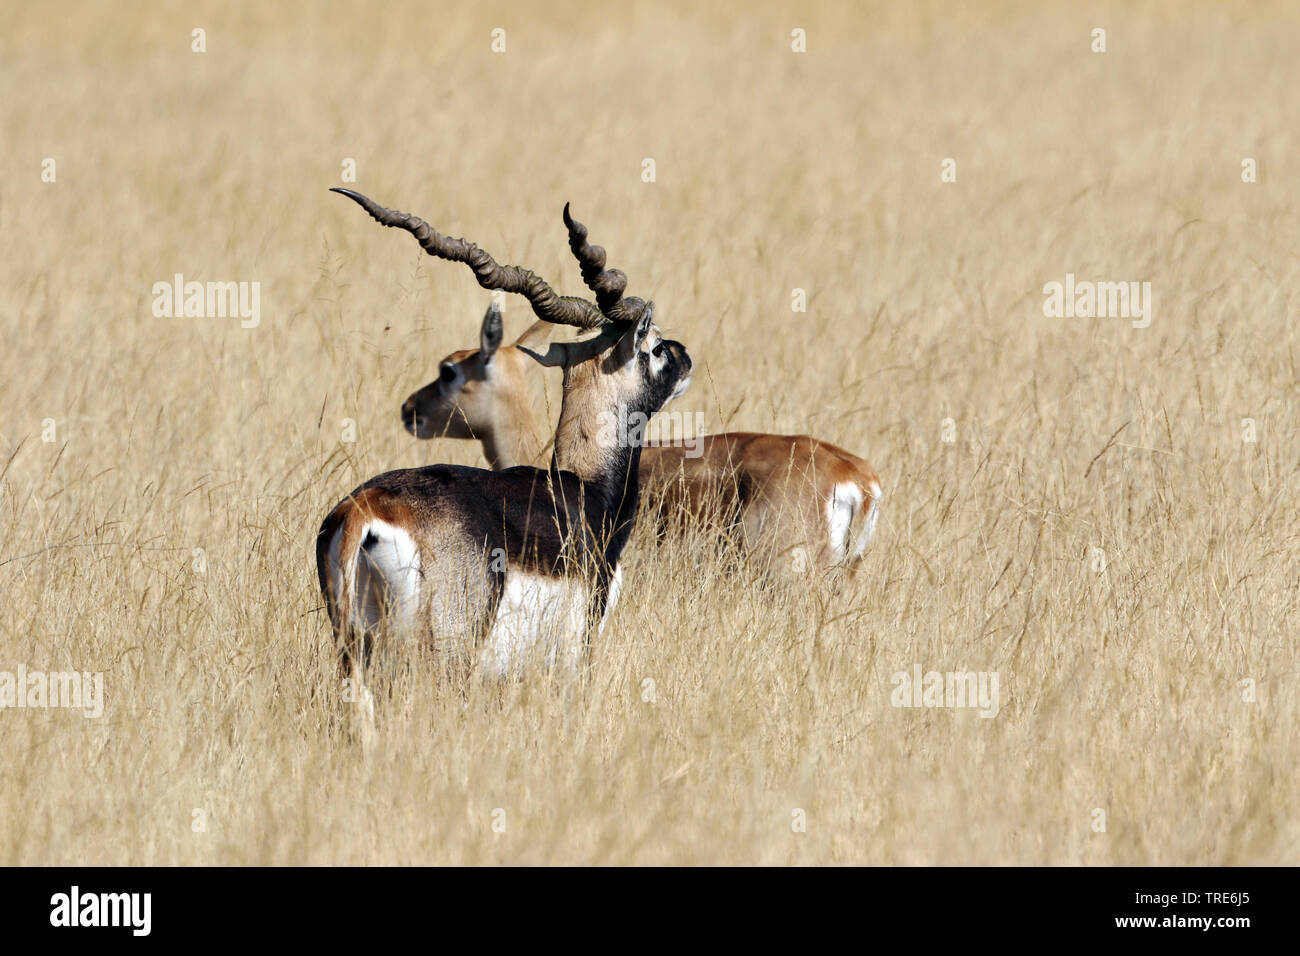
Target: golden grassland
{"points": [[1121, 689]]}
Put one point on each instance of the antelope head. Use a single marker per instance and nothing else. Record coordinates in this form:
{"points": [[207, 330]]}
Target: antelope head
{"points": [[482, 394], [625, 368]]}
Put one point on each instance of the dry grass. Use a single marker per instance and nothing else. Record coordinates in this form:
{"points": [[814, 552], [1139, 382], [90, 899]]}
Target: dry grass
{"points": [[774, 171]]}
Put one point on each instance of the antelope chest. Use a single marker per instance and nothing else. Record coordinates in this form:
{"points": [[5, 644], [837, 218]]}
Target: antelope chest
{"points": [[541, 620]]}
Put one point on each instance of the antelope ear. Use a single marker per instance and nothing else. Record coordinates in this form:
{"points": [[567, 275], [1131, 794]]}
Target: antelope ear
{"points": [[647, 322], [569, 354], [557, 356], [536, 335], [489, 336], [632, 339]]}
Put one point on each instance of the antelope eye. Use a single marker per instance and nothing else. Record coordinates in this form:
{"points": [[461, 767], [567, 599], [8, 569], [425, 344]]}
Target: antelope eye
{"points": [[449, 373]]}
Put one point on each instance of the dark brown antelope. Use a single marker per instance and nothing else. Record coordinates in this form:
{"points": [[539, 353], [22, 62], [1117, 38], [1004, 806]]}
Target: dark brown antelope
{"points": [[503, 566], [801, 502]]}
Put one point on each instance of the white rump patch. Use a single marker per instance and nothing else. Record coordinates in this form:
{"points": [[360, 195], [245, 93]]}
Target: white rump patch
{"points": [[844, 502], [388, 578], [868, 526]]}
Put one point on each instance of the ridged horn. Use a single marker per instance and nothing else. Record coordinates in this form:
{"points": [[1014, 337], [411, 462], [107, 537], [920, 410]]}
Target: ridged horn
{"points": [[559, 309], [607, 284]]}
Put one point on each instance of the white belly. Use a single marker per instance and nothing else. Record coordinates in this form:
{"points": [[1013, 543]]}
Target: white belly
{"points": [[540, 621]]}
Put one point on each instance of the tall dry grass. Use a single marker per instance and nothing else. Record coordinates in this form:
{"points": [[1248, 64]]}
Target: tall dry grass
{"points": [[1121, 689]]}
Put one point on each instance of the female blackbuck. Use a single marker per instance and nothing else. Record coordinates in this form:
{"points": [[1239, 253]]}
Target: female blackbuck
{"points": [[791, 499], [521, 562]]}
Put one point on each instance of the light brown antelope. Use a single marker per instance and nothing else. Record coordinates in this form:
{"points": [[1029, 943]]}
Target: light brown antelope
{"points": [[501, 566], [802, 502]]}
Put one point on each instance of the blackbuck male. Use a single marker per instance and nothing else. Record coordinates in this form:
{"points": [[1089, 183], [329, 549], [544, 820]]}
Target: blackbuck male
{"points": [[794, 500], [502, 566]]}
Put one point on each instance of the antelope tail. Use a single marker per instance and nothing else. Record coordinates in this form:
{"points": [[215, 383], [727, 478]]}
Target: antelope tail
{"points": [[338, 548]]}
